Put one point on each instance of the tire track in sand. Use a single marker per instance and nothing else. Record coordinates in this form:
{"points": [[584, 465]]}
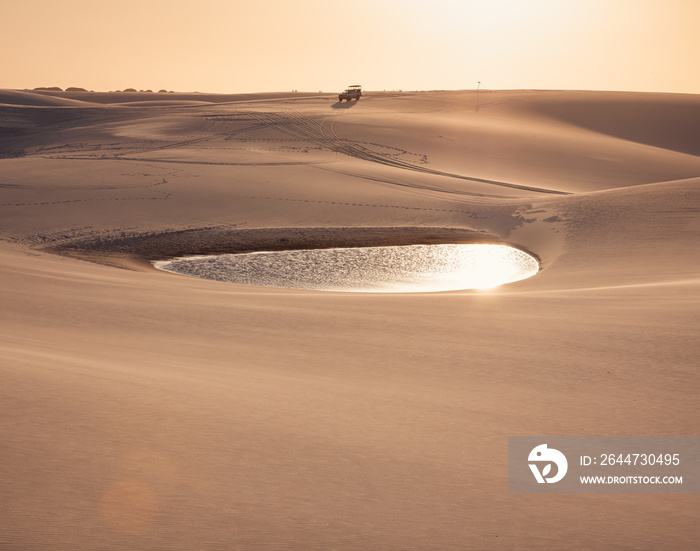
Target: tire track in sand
{"points": [[310, 128]]}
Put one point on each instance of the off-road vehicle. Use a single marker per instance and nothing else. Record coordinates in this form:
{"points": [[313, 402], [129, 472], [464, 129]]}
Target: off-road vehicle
{"points": [[353, 92]]}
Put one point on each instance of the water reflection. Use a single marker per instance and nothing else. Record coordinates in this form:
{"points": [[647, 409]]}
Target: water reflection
{"points": [[412, 268]]}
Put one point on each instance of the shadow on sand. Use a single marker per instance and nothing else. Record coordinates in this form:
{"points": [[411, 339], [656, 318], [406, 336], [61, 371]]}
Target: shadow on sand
{"points": [[344, 105]]}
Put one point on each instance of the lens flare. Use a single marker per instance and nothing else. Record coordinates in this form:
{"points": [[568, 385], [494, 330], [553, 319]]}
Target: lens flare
{"points": [[401, 269]]}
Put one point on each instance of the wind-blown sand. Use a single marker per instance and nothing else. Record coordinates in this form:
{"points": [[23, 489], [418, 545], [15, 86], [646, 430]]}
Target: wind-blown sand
{"points": [[147, 410]]}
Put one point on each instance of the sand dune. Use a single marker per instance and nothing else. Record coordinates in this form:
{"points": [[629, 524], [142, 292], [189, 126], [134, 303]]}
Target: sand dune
{"points": [[146, 410], [37, 99], [668, 121]]}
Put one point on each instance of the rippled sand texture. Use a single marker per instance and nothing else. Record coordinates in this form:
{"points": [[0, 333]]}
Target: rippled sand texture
{"points": [[146, 410]]}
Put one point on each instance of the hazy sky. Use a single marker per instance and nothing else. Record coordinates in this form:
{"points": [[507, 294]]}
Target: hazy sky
{"points": [[311, 45]]}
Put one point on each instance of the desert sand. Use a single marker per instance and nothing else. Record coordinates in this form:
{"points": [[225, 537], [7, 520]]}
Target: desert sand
{"points": [[147, 410]]}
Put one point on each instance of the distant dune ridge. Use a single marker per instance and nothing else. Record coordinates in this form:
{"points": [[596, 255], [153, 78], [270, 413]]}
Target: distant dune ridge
{"points": [[148, 410]]}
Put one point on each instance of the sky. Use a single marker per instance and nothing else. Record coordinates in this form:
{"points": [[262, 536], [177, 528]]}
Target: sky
{"points": [[232, 46]]}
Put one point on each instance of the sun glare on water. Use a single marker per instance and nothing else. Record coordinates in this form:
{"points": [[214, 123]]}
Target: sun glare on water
{"points": [[399, 269]]}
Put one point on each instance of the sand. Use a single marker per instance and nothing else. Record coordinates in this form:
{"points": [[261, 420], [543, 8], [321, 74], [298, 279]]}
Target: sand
{"points": [[147, 410]]}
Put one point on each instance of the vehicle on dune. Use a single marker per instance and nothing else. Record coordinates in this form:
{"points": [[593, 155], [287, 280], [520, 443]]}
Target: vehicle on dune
{"points": [[353, 92]]}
